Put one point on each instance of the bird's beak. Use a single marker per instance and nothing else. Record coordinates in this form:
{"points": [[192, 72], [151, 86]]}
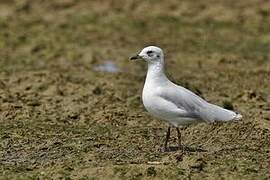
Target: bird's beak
{"points": [[135, 57]]}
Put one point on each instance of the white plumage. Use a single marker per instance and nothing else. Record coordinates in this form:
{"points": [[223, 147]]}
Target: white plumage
{"points": [[175, 104]]}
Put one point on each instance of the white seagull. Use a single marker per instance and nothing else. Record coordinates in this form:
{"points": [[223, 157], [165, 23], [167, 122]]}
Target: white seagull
{"points": [[173, 103]]}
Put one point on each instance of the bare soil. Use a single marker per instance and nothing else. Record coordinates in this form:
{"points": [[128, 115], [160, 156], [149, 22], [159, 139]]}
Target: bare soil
{"points": [[60, 118]]}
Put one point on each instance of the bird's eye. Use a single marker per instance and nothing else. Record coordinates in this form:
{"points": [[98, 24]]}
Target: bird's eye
{"points": [[149, 53]]}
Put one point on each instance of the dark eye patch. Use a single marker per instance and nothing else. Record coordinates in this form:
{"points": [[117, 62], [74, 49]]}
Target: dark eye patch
{"points": [[149, 53]]}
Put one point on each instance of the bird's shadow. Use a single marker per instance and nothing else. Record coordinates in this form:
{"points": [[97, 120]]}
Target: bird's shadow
{"points": [[185, 148]]}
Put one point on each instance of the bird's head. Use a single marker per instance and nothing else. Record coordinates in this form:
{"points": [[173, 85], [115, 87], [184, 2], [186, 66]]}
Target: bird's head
{"points": [[150, 54]]}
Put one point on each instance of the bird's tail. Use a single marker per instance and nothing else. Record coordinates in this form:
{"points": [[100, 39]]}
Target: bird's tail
{"points": [[224, 115], [237, 117]]}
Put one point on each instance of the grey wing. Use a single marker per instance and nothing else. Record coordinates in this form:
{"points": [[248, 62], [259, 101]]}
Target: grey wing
{"points": [[195, 105]]}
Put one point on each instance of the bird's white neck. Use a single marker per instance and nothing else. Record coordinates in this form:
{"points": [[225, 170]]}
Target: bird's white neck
{"points": [[156, 72]]}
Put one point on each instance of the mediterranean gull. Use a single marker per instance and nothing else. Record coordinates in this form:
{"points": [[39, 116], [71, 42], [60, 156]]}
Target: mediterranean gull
{"points": [[173, 103]]}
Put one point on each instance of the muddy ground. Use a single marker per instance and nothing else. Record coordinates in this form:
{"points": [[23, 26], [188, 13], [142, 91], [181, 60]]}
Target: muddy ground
{"points": [[64, 116]]}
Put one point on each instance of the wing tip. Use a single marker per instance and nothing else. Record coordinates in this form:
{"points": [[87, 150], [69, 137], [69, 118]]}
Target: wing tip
{"points": [[237, 117]]}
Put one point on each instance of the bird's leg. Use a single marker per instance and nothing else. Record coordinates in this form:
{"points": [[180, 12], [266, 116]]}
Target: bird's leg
{"points": [[167, 138], [180, 146]]}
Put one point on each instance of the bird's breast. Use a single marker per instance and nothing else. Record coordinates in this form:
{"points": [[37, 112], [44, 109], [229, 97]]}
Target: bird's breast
{"points": [[153, 103], [148, 97]]}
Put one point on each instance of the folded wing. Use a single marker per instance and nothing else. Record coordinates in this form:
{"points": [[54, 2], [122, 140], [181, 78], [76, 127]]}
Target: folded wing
{"points": [[190, 102]]}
